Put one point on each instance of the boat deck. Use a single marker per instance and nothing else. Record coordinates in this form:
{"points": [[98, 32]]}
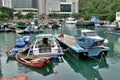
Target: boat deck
{"points": [[69, 41], [47, 48]]}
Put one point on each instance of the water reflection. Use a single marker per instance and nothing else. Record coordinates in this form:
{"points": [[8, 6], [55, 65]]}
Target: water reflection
{"points": [[114, 42], [0, 65], [70, 28], [116, 45], [9, 59], [88, 68], [46, 70]]}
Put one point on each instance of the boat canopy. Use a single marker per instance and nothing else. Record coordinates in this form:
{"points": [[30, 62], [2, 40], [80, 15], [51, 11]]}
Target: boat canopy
{"points": [[88, 33], [40, 37]]}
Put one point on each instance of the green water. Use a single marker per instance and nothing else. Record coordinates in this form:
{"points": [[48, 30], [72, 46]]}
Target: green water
{"points": [[69, 68]]}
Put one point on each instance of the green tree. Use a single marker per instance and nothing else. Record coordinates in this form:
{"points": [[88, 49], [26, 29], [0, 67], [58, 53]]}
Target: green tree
{"points": [[104, 9], [29, 15], [76, 15], [4, 15], [19, 15], [55, 15], [8, 11]]}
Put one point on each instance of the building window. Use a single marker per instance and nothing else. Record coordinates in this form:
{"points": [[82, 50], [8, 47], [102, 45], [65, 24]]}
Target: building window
{"points": [[63, 0], [65, 7]]}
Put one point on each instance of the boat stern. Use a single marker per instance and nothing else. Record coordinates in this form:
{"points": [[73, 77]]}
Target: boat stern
{"points": [[99, 51]]}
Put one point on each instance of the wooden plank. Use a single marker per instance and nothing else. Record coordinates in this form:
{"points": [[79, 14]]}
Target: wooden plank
{"points": [[69, 41]]}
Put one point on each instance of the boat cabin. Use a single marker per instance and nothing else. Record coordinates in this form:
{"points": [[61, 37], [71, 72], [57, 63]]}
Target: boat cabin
{"points": [[90, 34], [45, 44]]}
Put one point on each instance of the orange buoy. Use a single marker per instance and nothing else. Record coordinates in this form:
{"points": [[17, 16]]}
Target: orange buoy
{"points": [[61, 35]]}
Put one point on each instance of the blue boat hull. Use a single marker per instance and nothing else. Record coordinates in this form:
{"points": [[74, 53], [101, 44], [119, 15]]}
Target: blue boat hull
{"points": [[88, 42], [113, 32]]}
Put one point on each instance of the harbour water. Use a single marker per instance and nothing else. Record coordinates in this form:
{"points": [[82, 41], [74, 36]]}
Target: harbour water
{"points": [[68, 68]]}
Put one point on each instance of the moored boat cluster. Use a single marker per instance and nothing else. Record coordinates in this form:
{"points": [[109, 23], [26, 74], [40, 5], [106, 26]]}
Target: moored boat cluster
{"points": [[44, 49], [47, 47]]}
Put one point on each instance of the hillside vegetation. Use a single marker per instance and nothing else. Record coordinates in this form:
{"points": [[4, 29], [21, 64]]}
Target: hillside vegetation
{"points": [[104, 9]]}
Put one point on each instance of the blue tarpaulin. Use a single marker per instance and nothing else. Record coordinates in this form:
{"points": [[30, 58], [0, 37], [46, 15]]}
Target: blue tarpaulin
{"points": [[95, 20]]}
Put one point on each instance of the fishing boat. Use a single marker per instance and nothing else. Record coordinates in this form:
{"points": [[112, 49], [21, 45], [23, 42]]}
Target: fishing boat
{"points": [[16, 78], [92, 34], [109, 25], [71, 20], [5, 29], [69, 42], [22, 46], [46, 44], [33, 60], [21, 25], [19, 31], [113, 31], [88, 42], [85, 24], [27, 30]]}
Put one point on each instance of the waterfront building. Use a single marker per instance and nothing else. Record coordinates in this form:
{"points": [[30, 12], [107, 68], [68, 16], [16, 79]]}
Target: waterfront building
{"points": [[118, 18], [6, 3], [68, 6], [42, 6], [59, 6], [0, 2], [25, 6], [22, 3], [35, 4], [24, 11]]}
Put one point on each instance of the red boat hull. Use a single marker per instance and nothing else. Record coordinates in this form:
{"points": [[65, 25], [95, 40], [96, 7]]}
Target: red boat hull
{"points": [[15, 78], [34, 62]]}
